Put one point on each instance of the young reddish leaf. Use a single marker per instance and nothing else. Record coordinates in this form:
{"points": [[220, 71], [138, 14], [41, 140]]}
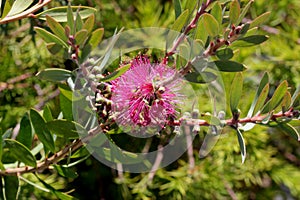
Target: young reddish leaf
{"points": [[56, 28], [236, 91], [234, 11], [20, 152], [260, 20]]}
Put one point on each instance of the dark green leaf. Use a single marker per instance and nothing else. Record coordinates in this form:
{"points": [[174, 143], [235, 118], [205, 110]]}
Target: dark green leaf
{"points": [[80, 153], [116, 73], [229, 66], [250, 40], [224, 54], [296, 98], [96, 37], [49, 37], [47, 114], [19, 6], [89, 23], [78, 21], [180, 21], [260, 101], [54, 74], [276, 99], [11, 187], [258, 96], [20, 152], [177, 6], [25, 134], [291, 131], [236, 91], [41, 130], [65, 171], [65, 129], [242, 144], [260, 20], [56, 28], [234, 11], [60, 13], [54, 48], [66, 107], [203, 77], [211, 24]]}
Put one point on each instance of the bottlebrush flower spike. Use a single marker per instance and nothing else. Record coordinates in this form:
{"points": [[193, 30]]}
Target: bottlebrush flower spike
{"points": [[147, 94]]}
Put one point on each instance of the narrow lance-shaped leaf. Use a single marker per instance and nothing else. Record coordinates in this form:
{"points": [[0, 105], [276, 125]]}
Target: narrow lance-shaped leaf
{"points": [[264, 81], [296, 98], [116, 73], [260, 20], [20, 152], [11, 187], [229, 66], [96, 37], [54, 74], [242, 144], [234, 11], [65, 129], [70, 19], [236, 91], [41, 130], [25, 134], [81, 37], [65, 172], [276, 98], [89, 23], [224, 54], [290, 130], [56, 28], [177, 6], [49, 37], [250, 41], [286, 102], [19, 6], [260, 101], [244, 12]]}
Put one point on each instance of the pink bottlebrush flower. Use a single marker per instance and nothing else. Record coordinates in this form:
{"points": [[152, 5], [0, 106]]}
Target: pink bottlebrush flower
{"points": [[147, 94]]}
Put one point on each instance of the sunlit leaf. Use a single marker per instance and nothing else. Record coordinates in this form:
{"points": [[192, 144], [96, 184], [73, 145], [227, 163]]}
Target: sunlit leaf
{"points": [[236, 91], [216, 11], [20, 152], [286, 102], [260, 20], [211, 24], [96, 37], [19, 6], [54, 74], [242, 144], [41, 130], [180, 21], [81, 37], [234, 11], [47, 114], [49, 37], [259, 101], [89, 23], [56, 28], [116, 73]]}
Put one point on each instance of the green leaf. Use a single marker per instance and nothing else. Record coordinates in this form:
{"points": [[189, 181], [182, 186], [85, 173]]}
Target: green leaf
{"points": [[180, 21], [54, 48], [276, 99], [211, 24], [286, 102], [200, 32], [80, 153], [20, 152], [41, 130], [260, 96], [190, 5], [96, 37], [244, 12], [234, 12], [56, 28], [260, 20], [54, 74], [49, 37], [260, 101], [66, 107], [242, 144], [289, 130], [65, 171], [11, 187], [203, 77], [229, 66], [78, 21], [296, 98], [7, 7], [47, 114], [66, 129], [60, 13], [89, 23], [224, 54], [250, 41], [216, 11], [236, 91], [25, 134], [81, 37], [116, 73], [177, 6], [19, 6]]}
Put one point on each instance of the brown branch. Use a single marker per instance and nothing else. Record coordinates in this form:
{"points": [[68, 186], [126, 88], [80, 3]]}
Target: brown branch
{"points": [[26, 13]]}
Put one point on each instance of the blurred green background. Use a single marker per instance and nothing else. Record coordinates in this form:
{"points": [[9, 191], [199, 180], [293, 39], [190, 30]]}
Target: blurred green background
{"points": [[271, 170]]}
